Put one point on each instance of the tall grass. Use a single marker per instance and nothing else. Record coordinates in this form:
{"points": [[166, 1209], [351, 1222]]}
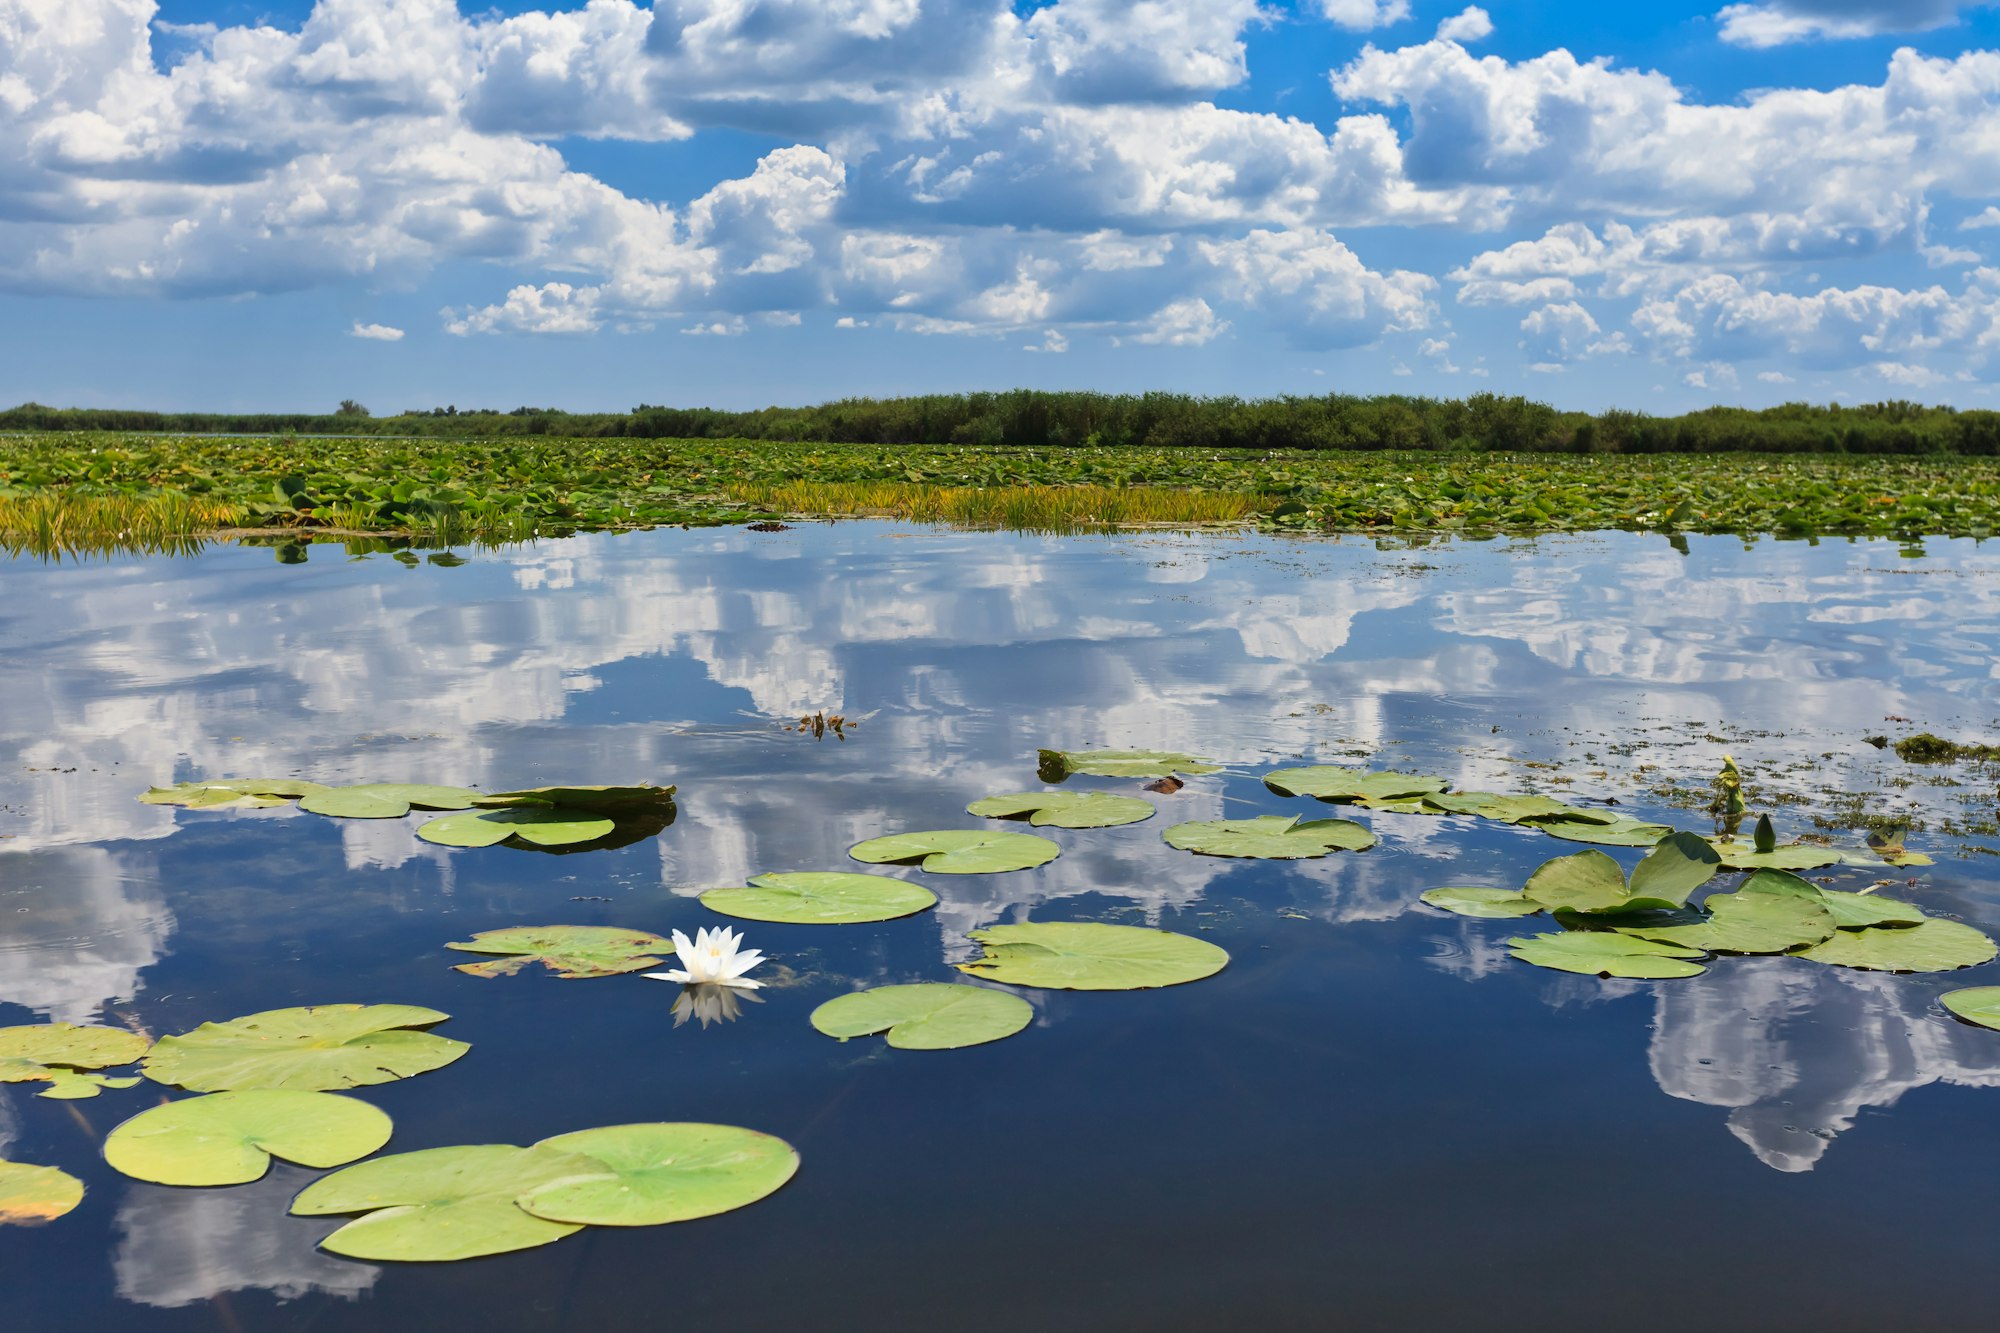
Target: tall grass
{"points": [[56, 525], [1021, 508]]}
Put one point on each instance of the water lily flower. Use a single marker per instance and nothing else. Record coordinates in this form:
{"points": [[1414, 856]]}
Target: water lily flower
{"points": [[713, 957]]}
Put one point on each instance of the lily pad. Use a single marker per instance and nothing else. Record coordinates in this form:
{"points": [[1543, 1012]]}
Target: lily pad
{"points": [[1270, 837], [1679, 864], [1854, 911], [931, 1016], [1056, 765], [959, 851], [1331, 783], [620, 803], [571, 952], [54, 1053], [1620, 832], [1087, 955], [540, 825], [443, 1203], [1749, 922], [1932, 946], [1738, 855], [237, 793], [1975, 1004], [1592, 882], [821, 897], [354, 803], [1064, 809], [229, 1138], [31, 1195], [1473, 901], [1509, 808], [305, 1049], [1606, 954], [652, 1174]]}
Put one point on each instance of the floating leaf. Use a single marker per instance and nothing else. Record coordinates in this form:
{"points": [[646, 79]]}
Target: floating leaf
{"points": [[354, 803], [1606, 954], [1749, 922], [1513, 809], [1933, 946], [571, 952], [229, 1138], [31, 1195], [1479, 902], [539, 825], [1975, 1004], [1064, 809], [959, 851], [1738, 855], [52, 1053], [1679, 864], [1854, 911], [1331, 783], [1057, 765], [1087, 955], [1580, 882], [442, 1203], [238, 793], [619, 803], [306, 1049], [649, 1175], [1270, 837], [821, 897], [1621, 832], [931, 1016], [1593, 882]]}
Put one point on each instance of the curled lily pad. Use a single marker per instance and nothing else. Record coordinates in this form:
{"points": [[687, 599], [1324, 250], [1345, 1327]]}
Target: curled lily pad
{"points": [[1056, 765], [1749, 922], [229, 1138], [1329, 782], [930, 1016], [1974, 1004], [1064, 809], [1270, 837], [959, 851], [1605, 954], [1473, 901], [540, 825], [307, 1049], [233, 793], [571, 952], [55, 1053], [31, 1195], [619, 803], [1932, 946], [648, 1175], [1088, 955], [1621, 832], [1592, 882], [821, 897], [443, 1203]]}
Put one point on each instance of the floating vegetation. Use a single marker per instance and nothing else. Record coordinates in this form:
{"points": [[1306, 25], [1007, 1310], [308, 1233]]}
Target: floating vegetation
{"points": [[1764, 853], [819, 723], [310, 1049], [931, 1016], [536, 827], [959, 851], [1604, 954], [1975, 1004], [1087, 955], [236, 793], [821, 897], [571, 952], [1058, 765], [1924, 748], [442, 1204], [1270, 837], [1474, 901], [1929, 946], [714, 957], [1619, 832], [229, 1138], [386, 800], [1753, 920], [60, 1054], [1593, 883], [1342, 785], [1030, 508], [31, 1195], [1062, 809]]}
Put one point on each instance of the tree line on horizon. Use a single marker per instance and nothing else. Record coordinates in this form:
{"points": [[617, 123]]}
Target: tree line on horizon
{"points": [[1033, 418]]}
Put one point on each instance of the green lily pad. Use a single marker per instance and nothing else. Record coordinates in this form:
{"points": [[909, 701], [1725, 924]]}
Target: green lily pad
{"points": [[1056, 765], [354, 803], [1606, 954], [658, 1173], [441, 1204], [571, 952], [305, 1049], [1737, 855], [229, 1138], [1473, 901], [541, 825], [821, 898], [1932, 946], [1394, 805], [1087, 955], [1592, 882], [1064, 809], [1749, 922], [32, 1195], [959, 851], [1679, 864], [1270, 837], [1975, 1004], [1509, 808], [1855, 911], [1328, 782], [53, 1053], [238, 793], [1868, 859], [1621, 832], [620, 803], [930, 1016]]}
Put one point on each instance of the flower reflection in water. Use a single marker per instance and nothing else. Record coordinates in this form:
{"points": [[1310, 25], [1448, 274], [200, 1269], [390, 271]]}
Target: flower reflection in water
{"points": [[711, 1003]]}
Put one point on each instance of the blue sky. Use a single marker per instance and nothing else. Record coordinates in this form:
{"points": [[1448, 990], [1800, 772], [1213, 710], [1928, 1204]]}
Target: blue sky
{"points": [[247, 204]]}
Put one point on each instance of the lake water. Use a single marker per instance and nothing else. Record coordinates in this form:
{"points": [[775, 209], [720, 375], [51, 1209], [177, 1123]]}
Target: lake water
{"points": [[1373, 1118]]}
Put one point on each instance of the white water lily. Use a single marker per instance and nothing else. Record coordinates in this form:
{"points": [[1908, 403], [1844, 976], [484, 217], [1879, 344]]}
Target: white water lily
{"points": [[714, 957]]}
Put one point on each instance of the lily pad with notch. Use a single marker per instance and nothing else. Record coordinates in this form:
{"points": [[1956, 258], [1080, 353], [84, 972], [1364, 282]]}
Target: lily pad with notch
{"points": [[1328, 782], [959, 851], [652, 1174], [64, 1056], [1931, 946], [1474, 901], [1591, 882], [1063, 809], [31, 1195], [1270, 837], [229, 1138], [1607, 954], [1749, 922], [312, 1048], [1057, 765], [928, 1016], [441, 1204], [571, 952], [821, 898], [1089, 955], [535, 826]]}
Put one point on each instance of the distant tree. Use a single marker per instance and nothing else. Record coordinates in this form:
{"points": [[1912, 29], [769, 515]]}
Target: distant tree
{"points": [[349, 408]]}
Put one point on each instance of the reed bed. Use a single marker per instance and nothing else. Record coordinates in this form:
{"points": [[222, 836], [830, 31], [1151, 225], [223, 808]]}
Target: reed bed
{"points": [[1020, 508], [58, 525]]}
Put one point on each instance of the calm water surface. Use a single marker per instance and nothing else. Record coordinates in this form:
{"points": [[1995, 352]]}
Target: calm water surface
{"points": [[1372, 1119]]}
